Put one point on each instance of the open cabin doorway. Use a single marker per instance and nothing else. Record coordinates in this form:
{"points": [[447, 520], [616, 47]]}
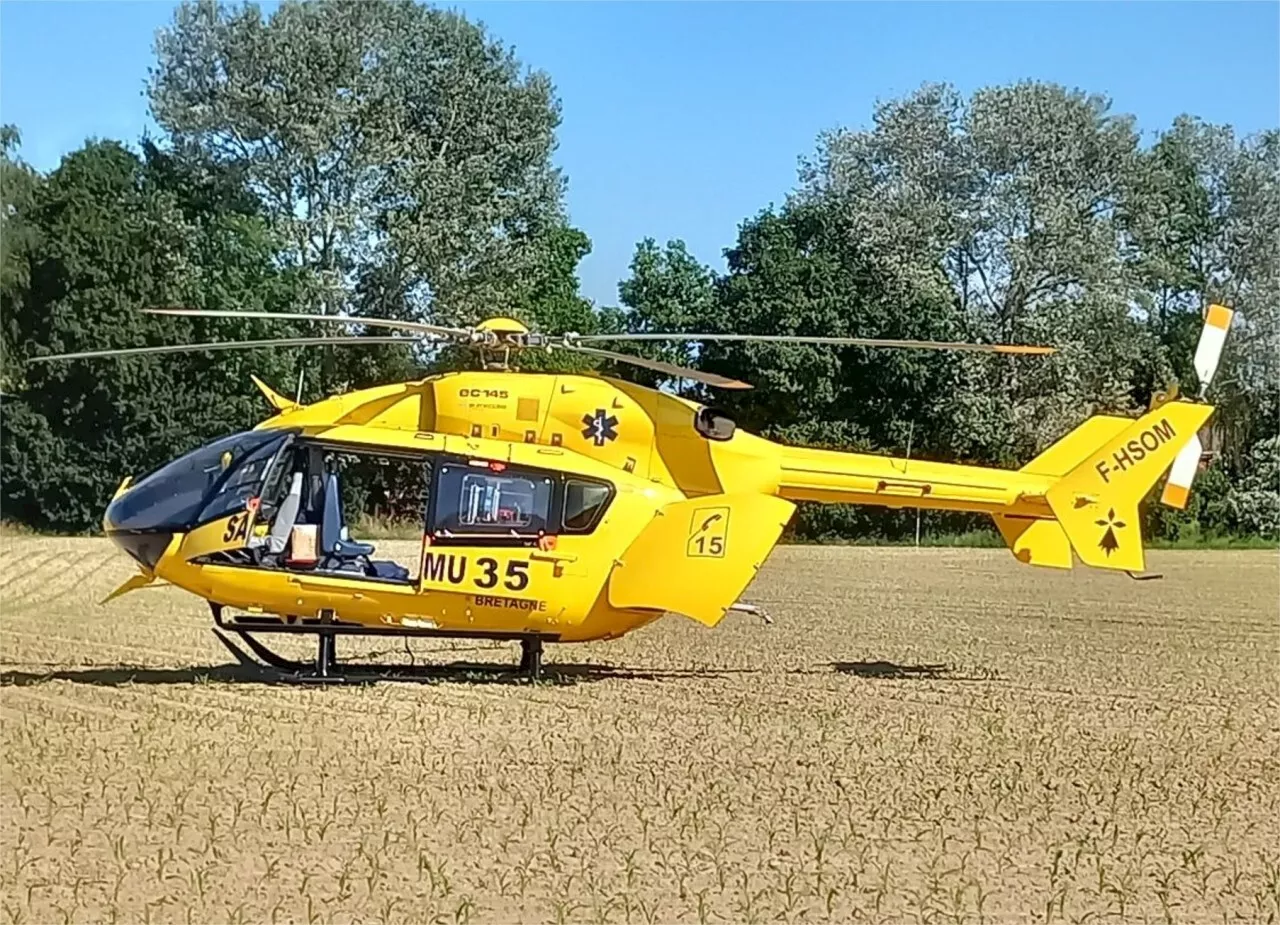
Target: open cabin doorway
{"points": [[339, 511]]}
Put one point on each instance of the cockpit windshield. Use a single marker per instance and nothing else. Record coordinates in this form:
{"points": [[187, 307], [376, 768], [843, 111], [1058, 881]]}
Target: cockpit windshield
{"points": [[219, 475]]}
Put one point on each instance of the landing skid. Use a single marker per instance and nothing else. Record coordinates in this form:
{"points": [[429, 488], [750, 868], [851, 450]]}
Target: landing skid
{"points": [[326, 669]]}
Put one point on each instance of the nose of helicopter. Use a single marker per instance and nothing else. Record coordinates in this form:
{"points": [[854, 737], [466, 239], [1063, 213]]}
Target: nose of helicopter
{"points": [[144, 516], [144, 548], [145, 545]]}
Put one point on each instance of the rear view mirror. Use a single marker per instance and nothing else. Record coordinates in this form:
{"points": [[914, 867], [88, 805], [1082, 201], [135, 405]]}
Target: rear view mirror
{"points": [[713, 424]]}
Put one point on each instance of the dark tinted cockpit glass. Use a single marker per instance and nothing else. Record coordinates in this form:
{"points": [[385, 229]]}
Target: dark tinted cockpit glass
{"points": [[243, 482], [171, 497]]}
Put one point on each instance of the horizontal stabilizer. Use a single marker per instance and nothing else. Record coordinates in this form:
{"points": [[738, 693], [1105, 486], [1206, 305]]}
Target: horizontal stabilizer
{"points": [[1035, 541]]}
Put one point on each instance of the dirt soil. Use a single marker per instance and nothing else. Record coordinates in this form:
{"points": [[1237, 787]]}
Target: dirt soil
{"points": [[921, 735]]}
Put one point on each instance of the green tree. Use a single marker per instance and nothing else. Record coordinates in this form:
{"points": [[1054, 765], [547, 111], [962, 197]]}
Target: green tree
{"points": [[1202, 221], [1013, 193], [799, 272], [1255, 499], [1248, 389], [1022, 213], [668, 291], [18, 185], [549, 298], [118, 232], [400, 151]]}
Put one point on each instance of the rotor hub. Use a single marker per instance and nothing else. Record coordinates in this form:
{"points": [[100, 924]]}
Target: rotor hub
{"points": [[501, 332]]}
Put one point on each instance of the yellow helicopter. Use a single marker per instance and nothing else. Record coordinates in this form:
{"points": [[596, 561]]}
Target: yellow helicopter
{"points": [[569, 508]]}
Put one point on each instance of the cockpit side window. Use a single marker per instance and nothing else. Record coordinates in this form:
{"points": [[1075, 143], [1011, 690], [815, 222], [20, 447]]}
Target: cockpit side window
{"points": [[244, 479], [585, 501]]}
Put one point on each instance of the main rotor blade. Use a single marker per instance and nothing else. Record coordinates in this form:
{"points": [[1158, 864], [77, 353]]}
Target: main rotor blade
{"points": [[670, 369], [839, 341], [229, 345], [416, 326]]}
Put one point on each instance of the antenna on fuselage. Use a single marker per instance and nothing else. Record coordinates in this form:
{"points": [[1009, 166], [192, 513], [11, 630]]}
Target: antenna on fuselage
{"points": [[301, 370]]}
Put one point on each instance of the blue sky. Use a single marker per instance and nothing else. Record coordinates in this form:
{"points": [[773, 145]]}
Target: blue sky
{"points": [[683, 119]]}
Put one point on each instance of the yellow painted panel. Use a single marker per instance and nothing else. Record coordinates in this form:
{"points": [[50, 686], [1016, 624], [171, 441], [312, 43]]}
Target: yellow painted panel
{"points": [[231, 532], [697, 556], [495, 407], [1097, 502], [1062, 456], [1036, 542], [593, 417], [862, 478]]}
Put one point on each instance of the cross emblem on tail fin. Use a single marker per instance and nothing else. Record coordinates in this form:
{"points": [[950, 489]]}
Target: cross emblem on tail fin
{"points": [[1109, 543]]}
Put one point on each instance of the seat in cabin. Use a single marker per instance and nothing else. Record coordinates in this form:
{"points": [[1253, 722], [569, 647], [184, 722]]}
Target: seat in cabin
{"points": [[340, 553], [286, 517]]}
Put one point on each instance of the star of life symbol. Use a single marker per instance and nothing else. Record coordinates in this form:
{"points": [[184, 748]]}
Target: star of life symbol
{"points": [[601, 427]]}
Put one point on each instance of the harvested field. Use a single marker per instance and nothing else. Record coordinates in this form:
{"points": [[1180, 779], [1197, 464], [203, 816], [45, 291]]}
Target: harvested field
{"points": [[932, 735]]}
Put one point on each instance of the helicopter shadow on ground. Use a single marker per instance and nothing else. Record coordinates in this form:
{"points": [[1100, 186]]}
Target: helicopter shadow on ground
{"points": [[892, 671], [555, 674]]}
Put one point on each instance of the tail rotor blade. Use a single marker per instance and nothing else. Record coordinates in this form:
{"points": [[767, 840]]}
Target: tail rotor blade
{"points": [[1213, 336], [1177, 487], [1186, 465]]}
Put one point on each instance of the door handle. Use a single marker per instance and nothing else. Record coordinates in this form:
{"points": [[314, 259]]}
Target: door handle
{"points": [[552, 556]]}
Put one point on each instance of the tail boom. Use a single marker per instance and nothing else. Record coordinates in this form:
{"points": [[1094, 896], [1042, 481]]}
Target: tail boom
{"points": [[858, 478], [1080, 495]]}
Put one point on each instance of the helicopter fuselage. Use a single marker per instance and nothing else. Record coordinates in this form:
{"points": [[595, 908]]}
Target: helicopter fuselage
{"points": [[579, 507]]}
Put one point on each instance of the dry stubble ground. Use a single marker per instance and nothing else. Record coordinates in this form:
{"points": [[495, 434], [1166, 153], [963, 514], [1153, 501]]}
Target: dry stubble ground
{"points": [[921, 735]]}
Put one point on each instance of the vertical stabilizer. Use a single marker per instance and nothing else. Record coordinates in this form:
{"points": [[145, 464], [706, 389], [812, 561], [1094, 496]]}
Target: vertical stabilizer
{"points": [[1097, 501]]}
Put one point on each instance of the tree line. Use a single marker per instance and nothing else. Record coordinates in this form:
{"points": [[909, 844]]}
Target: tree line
{"points": [[396, 160]]}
